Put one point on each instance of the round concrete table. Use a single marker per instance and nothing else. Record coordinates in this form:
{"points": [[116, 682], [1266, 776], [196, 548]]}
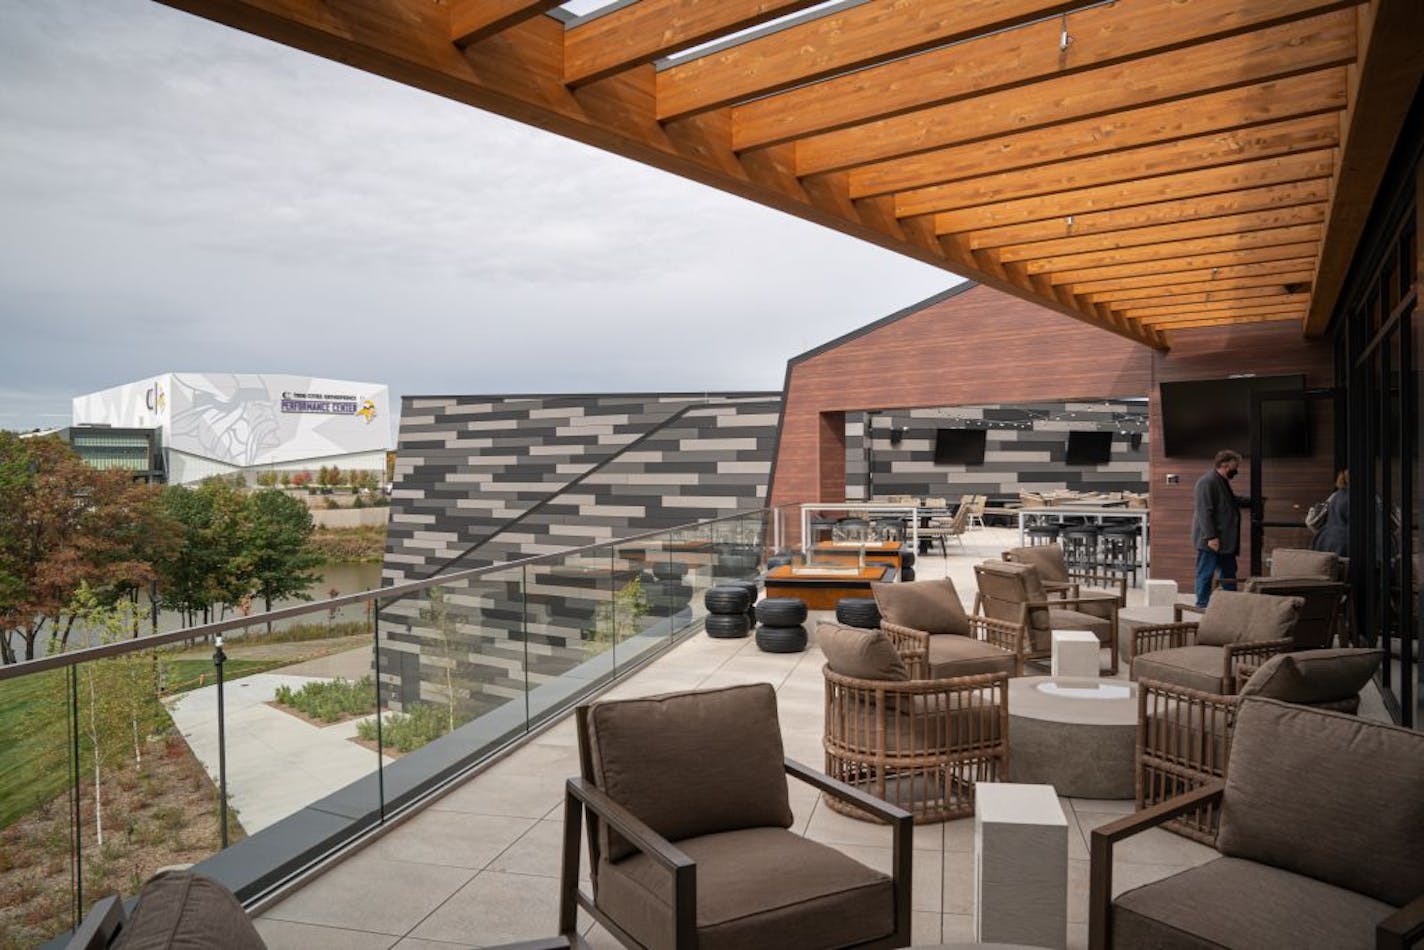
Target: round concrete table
{"points": [[1081, 740]]}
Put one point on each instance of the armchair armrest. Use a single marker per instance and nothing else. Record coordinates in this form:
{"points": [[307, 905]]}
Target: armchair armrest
{"points": [[1096, 579], [1163, 636], [1179, 609], [1100, 848], [1000, 633], [1236, 656], [1403, 928], [902, 832], [907, 640]]}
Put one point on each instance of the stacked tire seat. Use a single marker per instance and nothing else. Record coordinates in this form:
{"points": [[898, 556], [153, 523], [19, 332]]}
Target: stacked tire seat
{"points": [[858, 612], [727, 606], [781, 625], [752, 594], [907, 565]]}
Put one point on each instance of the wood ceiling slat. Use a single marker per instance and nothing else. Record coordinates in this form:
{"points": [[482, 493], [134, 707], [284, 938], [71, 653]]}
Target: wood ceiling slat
{"points": [[1202, 291], [859, 36], [1166, 233], [1221, 261], [649, 29], [1228, 148], [1197, 276], [1100, 35], [1165, 212], [1215, 112], [1271, 305], [1205, 296], [1317, 43], [475, 20], [1200, 322], [1154, 252], [1221, 179]]}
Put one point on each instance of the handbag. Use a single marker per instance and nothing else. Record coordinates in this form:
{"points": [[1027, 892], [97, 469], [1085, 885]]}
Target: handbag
{"points": [[1317, 515]]}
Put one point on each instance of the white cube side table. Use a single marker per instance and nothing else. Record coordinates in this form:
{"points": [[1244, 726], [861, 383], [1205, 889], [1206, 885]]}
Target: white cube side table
{"points": [[1161, 593], [1075, 655], [1020, 865]]}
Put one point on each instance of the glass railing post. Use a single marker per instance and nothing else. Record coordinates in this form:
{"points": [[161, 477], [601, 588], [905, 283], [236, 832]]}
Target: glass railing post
{"points": [[76, 818], [380, 711], [218, 659], [524, 638]]}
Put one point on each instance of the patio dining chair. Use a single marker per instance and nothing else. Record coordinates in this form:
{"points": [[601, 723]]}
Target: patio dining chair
{"points": [[1014, 593], [1235, 630]]}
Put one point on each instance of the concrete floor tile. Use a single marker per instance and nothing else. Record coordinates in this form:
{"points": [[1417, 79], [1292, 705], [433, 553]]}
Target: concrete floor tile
{"points": [[1077, 936], [540, 852], [959, 835], [539, 760], [1155, 846], [368, 894], [925, 928], [496, 908], [502, 792], [286, 935], [834, 828], [454, 839], [413, 943], [957, 928], [958, 883]]}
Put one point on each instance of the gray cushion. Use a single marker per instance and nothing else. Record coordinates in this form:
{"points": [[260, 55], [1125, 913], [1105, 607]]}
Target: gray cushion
{"points": [[1047, 558], [691, 763], [1233, 616], [762, 887], [1193, 667], [1328, 796], [1241, 904], [1314, 676], [964, 656], [860, 654], [1303, 562], [930, 606], [188, 910]]}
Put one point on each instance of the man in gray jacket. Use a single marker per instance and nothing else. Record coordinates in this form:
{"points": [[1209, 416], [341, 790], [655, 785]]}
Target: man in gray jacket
{"points": [[1216, 524]]}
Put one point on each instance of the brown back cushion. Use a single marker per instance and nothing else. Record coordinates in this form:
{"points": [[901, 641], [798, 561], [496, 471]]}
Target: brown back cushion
{"points": [[931, 606], [862, 654], [1005, 586], [186, 909], [1314, 676], [1303, 562], [1048, 558], [1328, 796], [1233, 616], [691, 763]]}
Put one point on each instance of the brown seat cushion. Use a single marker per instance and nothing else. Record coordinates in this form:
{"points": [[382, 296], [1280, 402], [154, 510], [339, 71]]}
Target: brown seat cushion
{"points": [[1314, 676], [931, 606], [1303, 562], [1100, 627], [1234, 903], [1328, 796], [950, 655], [1193, 667], [860, 654], [691, 763], [760, 887], [184, 909], [1234, 616]]}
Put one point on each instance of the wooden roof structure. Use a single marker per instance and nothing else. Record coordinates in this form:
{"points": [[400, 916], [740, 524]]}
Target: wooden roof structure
{"points": [[1142, 165]]}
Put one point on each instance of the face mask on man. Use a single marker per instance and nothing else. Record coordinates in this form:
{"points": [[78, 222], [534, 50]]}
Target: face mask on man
{"points": [[1231, 472]]}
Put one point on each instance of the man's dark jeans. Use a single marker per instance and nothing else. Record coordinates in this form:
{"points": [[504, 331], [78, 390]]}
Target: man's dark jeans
{"points": [[1210, 563]]}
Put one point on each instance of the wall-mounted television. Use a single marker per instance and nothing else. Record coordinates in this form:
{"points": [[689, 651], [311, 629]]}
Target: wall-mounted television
{"points": [[960, 446], [1089, 448], [1200, 417]]}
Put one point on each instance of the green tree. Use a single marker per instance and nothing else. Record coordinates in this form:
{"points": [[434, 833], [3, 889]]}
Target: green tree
{"points": [[267, 479], [618, 617], [275, 557], [201, 569]]}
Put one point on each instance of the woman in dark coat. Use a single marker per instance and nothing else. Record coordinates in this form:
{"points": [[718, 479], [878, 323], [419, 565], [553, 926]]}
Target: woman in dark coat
{"points": [[1335, 535]]}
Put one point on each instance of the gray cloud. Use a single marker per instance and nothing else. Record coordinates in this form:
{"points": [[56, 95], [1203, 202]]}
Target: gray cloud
{"points": [[181, 196]]}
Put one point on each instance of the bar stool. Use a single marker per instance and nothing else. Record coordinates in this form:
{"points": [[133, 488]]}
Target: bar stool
{"points": [[1080, 546], [1120, 551], [1041, 533]]}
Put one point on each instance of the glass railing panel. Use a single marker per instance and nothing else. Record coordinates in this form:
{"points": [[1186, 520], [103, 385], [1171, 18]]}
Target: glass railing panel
{"points": [[639, 609], [37, 858], [453, 660], [574, 630], [690, 563]]}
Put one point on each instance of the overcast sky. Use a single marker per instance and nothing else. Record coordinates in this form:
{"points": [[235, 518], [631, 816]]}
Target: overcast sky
{"points": [[179, 196]]}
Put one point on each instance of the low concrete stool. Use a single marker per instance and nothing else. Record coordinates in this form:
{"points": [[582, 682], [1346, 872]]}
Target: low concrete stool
{"points": [[1161, 593], [1075, 655], [1020, 865]]}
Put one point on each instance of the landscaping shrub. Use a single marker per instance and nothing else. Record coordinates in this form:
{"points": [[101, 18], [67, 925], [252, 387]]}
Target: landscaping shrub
{"points": [[407, 731], [331, 701]]}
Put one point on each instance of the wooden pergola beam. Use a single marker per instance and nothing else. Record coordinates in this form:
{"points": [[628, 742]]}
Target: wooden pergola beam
{"points": [[1241, 288], [1274, 304], [1200, 275], [474, 20], [1217, 261], [1168, 325], [1251, 240], [1320, 42]]}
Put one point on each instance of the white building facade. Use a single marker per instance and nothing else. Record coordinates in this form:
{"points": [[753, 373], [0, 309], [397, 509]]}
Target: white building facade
{"points": [[221, 423]]}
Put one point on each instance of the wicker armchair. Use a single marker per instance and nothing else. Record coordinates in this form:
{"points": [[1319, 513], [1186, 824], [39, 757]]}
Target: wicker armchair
{"points": [[1184, 735], [1013, 593], [919, 744], [1059, 581], [927, 618], [1236, 629]]}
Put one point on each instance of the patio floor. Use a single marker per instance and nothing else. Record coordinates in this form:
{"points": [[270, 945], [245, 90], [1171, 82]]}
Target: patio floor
{"points": [[480, 865]]}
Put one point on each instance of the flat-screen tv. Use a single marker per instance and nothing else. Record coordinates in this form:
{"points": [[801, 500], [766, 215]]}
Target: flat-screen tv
{"points": [[960, 446], [1200, 417], [1089, 448]]}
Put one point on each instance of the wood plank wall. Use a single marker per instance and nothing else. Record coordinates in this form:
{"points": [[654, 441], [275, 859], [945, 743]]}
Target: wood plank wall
{"points": [[981, 346]]}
